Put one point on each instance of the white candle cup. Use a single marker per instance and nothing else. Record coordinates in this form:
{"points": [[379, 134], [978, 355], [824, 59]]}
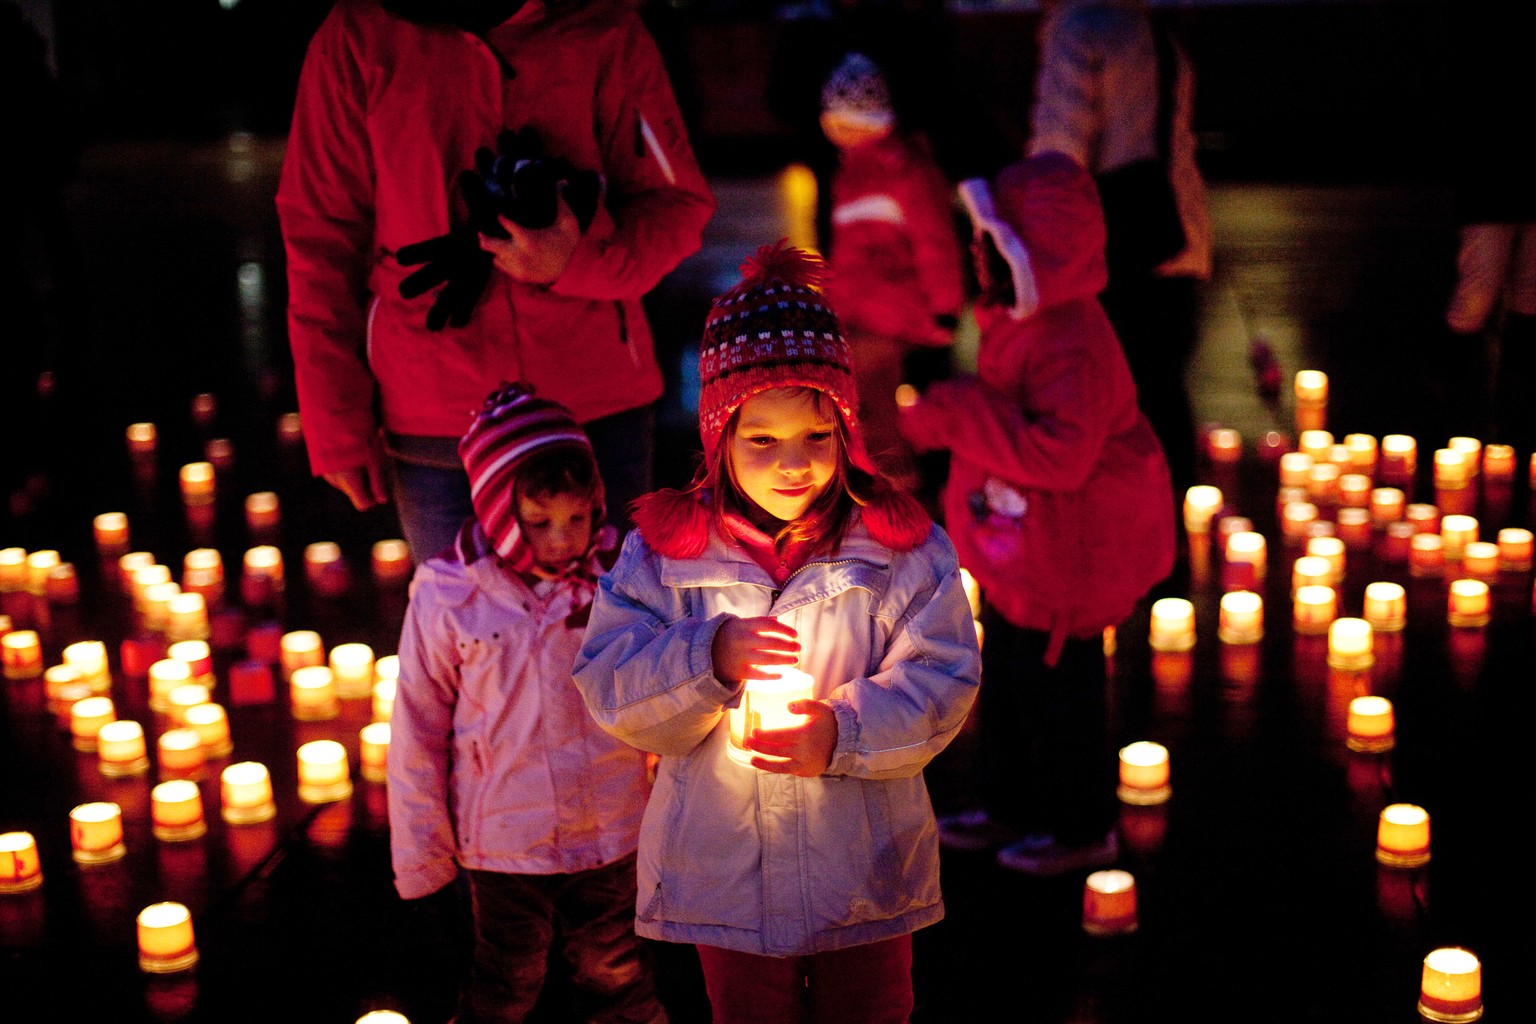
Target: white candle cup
{"points": [[1331, 550], [352, 666], [1386, 606], [1424, 516], [1456, 531], [1362, 453], [1498, 463], [765, 705], [1426, 555], [1296, 520], [245, 793], [1313, 610], [1323, 484], [1247, 546], [1295, 469], [373, 751], [142, 438], [1350, 644], [1242, 618], [21, 870], [324, 773], [1451, 986], [180, 752], [262, 511], [164, 676], [89, 658], [176, 808], [1144, 774], [1398, 459], [86, 717], [166, 943], [1402, 836], [1467, 603], [1311, 571], [384, 699], [111, 532], [312, 694], [96, 833], [120, 749], [1515, 549], [1453, 469], [1354, 490], [1353, 526], [1387, 505], [1109, 903], [1316, 444], [1172, 626], [391, 561], [1371, 725], [197, 482], [1311, 386], [1471, 450], [21, 653], [212, 726], [1201, 503], [186, 617], [300, 648], [1480, 559]]}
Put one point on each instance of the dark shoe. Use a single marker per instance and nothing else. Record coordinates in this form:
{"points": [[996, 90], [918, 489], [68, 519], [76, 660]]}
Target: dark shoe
{"points": [[1044, 856]]}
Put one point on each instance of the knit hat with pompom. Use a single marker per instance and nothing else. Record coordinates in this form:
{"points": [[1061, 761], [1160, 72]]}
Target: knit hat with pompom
{"points": [[775, 329]]}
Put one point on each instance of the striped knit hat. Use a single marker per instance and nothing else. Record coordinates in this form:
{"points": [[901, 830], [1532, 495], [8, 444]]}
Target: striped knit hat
{"points": [[511, 427], [856, 92], [774, 330]]}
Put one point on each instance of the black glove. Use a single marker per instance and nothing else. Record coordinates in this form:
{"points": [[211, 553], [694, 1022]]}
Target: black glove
{"points": [[456, 262], [520, 183]]}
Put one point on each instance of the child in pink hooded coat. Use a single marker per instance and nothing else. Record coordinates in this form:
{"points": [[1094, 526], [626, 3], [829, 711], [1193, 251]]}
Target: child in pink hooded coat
{"points": [[1059, 503]]}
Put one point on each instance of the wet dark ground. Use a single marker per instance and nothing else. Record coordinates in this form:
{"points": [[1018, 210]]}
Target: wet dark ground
{"points": [[1260, 896]]}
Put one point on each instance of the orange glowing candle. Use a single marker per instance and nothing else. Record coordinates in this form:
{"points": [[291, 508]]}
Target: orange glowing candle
{"points": [[164, 676], [1201, 503], [186, 617], [1109, 903], [166, 944], [1223, 445], [352, 667], [1313, 609], [1311, 570], [1451, 986], [245, 792], [765, 705], [197, 481], [1453, 469], [1386, 506], [177, 809], [180, 752], [1386, 606], [1467, 603], [1362, 453], [89, 658], [1242, 618], [373, 751], [1295, 469], [21, 654], [1249, 548], [324, 773], [391, 561], [111, 531], [1480, 558], [312, 693], [384, 699], [120, 749], [96, 833], [1515, 548], [1311, 386], [1354, 527], [1350, 644], [1144, 774], [1330, 550], [1456, 531], [1498, 463], [262, 511], [1296, 520], [1317, 445], [1426, 555], [1370, 725], [142, 438], [212, 726], [1355, 490], [1402, 836], [300, 648], [1172, 626], [1323, 484], [325, 569], [86, 717], [1399, 459], [21, 869]]}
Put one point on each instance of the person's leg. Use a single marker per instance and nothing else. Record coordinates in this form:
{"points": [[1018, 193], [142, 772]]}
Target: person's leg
{"points": [[745, 988], [868, 984], [625, 446], [878, 370], [1077, 769], [514, 926], [432, 503], [610, 969], [1004, 723]]}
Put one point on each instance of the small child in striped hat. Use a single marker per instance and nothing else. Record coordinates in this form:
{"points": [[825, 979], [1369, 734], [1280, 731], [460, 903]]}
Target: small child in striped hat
{"points": [[499, 779]]}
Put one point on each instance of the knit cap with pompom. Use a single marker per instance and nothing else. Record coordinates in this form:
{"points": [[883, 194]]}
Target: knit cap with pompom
{"points": [[775, 329]]}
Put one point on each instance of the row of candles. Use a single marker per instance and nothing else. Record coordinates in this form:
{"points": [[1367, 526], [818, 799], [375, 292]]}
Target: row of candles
{"points": [[1336, 497]]}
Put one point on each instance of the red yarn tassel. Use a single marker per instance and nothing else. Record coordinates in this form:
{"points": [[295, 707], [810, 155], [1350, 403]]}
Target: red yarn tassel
{"points": [[787, 263]]}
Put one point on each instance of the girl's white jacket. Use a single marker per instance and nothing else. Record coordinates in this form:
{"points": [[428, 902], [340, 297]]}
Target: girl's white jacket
{"points": [[494, 763], [743, 859]]}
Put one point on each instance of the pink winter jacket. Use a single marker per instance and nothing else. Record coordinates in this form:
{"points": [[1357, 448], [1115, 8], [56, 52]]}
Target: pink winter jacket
{"points": [[895, 255], [1058, 498], [388, 114]]}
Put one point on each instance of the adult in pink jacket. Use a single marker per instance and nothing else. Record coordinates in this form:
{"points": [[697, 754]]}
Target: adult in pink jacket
{"points": [[394, 99], [1059, 503]]}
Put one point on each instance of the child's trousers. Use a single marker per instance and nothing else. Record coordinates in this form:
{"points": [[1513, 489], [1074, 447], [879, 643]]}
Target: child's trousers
{"points": [[868, 984], [588, 917]]}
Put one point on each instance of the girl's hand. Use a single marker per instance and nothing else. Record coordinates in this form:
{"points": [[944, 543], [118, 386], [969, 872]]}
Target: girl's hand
{"points": [[744, 647], [803, 750], [536, 255]]}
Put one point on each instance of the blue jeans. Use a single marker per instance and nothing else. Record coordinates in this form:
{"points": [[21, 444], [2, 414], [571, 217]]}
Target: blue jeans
{"points": [[588, 917], [431, 489]]}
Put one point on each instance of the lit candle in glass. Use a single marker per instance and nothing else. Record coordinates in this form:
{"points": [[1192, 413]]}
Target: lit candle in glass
{"points": [[1296, 520], [96, 833], [1386, 506], [1370, 725], [1330, 550], [164, 676], [1354, 490], [1242, 618], [262, 511], [212, 726], [61, 585], [325, 569], [204, 407], [1426, 555], [972, 591], [202, 572], [1471, 450], [1467, 603], [197, 656], [156, 605], [300, 648], [166, 944], [1109, 903], [1402, 836], [1399, 459], [13, 570], [61, 681], [142, 438], [261, 579], [1353, 526], [391, 561], [312, 693], [1310, 570], [1223, 445], [1323, 484], [373, 751], [20, 867], [1315, 445], [1498, 463], [1480, 558], [1201, 503], [245, 793], [1144, 774], [89, 658], [1314, 608], [111, 532], [176, 807], [186, 617], [1455, 532], [1172, 626], [120, 749], [1515, 548], [1362, 453], [1396, 542], [1453, 471], [1311, 386], [1386, 606], [290, 428], [1245, 548], [86, 717], [1295, 469], [128, 566], [21, 654], [324, 774], [197, 481], [1350, 644], [765, 705], [1451, 986], [180, 751], [352, 667]]}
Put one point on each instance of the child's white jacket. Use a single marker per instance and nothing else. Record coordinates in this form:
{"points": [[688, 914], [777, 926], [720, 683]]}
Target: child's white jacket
{"points": [[743, 859], [494, 763]]}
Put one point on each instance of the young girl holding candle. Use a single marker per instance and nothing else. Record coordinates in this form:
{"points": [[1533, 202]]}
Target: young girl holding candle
{"points": [[1060, 504], [495, 767], [801, 875]]}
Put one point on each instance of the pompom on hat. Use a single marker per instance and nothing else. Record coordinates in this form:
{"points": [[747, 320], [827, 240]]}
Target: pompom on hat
{"points": [[775, 329], [511, 428]]}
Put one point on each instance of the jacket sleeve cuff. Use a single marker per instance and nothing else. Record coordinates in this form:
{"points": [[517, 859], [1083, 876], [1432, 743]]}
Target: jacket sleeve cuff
{"points": [[846, 754], [426, 879]]}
